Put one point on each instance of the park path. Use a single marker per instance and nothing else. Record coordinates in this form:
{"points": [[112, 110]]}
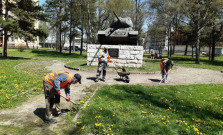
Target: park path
{"points": [[31, 113]]}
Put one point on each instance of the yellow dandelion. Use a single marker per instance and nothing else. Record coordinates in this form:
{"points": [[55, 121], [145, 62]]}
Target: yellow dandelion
{"points": [[78, 123], [144, 112], [82, 128]]}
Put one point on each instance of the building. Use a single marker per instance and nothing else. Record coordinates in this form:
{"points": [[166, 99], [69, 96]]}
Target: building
{"points": [[77, 43]]}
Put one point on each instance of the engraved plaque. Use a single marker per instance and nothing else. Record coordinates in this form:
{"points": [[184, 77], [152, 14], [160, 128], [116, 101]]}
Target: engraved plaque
{"points": [[113, 52]]}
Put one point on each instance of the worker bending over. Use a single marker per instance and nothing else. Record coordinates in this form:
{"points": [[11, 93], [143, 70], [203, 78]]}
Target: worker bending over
{"points": [[52, 84], [165, 66]]}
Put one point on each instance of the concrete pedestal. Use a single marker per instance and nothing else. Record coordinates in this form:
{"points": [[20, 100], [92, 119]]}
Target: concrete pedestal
{"points": [[128, 56]]}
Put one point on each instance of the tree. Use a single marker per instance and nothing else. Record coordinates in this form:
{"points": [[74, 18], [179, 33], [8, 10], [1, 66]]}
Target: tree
{"points": [[200, 13], [29, 12], [43, 26], [56, 11], [18, 20], [138, 18], [165, 11], [8, 24]]}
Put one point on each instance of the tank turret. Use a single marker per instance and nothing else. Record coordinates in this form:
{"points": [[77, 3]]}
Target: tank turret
{"points": [[120, 32]]}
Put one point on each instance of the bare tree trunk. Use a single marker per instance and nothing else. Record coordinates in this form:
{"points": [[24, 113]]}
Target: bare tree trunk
{"points": [[185, 53], [5, 43], [27, 45], [213, 44], [198, 48], [209, 52], [169, 31], [192, 51], [82, 30], [82, 34], [5, 55], [60, 27], [209, 48]]}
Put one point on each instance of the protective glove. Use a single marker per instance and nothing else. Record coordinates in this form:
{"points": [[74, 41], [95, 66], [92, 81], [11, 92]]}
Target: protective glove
{"points": [[68, 99], [58, 92]]}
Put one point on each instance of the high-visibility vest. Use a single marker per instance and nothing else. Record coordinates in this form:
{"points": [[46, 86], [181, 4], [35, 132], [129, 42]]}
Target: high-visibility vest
{"points": [[50, 79], [101, 53], [161, 64]]}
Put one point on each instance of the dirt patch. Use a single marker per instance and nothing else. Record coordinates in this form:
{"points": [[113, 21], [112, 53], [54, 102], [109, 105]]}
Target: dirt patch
{"points": [[31, 113]]}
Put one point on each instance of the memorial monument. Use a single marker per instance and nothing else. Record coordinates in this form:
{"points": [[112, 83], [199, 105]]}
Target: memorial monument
{"points": [[121, 40]]}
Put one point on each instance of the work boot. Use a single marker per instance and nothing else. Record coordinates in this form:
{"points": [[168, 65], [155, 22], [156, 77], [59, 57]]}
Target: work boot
{"points": [[103, 79], [62, 114], [51, 121]]}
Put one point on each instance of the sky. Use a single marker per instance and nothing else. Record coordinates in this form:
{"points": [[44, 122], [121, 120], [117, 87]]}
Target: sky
{"points": [[41, 2]]}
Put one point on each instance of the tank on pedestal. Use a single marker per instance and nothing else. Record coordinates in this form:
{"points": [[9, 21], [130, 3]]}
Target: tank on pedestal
{"points": [[120, 32]]}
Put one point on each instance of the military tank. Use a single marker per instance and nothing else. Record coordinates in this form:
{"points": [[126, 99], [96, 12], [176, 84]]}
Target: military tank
{"points": [[120, 32]]}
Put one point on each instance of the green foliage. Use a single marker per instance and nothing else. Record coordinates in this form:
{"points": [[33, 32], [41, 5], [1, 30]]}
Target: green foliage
{"points": [[135, 109]]}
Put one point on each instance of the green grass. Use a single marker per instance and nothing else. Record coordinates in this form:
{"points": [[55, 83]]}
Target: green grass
{"points": [[44, 54], [21, 74], [188, 61], [153, 65], [155, 110]]}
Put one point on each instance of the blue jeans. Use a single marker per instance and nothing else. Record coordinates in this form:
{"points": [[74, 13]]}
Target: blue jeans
{"points": [[164, 77]]}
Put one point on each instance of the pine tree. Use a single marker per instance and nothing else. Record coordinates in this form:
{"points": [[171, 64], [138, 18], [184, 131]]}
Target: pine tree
{"points": [[18, 20]]}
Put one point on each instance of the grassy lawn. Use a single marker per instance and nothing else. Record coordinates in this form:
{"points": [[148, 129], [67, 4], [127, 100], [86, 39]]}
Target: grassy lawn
{"points": [[155, 110], [22, 73], [153, 65], [119, 109], [188, 61]]}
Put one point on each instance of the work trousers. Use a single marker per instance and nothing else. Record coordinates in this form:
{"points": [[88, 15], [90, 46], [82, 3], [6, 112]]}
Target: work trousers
{"points": [[51, 98], [164, 77], [101, 67]]}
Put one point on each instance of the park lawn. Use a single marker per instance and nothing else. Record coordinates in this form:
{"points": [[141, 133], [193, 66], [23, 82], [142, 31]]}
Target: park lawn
{"points": [[45, 54], [155, 110], [153, 65], [21, 75], [188, 61]]}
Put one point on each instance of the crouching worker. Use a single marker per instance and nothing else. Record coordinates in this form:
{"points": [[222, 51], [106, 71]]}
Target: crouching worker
{"points": [[165, 66], [52, 84], [103, 59]]}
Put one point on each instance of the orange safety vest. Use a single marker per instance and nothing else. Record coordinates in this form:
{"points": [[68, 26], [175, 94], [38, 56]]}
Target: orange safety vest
{"points": [[161, 64], [108, 57], [62, 84]]}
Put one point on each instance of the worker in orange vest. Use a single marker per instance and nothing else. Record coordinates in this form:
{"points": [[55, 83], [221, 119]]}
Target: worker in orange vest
{"points": [[103, 59], [165, 66], [52, 84]]}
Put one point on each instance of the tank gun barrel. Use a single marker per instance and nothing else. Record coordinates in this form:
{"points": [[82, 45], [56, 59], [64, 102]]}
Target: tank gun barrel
{"points": [[116, 16]]}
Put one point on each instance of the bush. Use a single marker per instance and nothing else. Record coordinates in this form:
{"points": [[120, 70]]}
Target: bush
{"points": [[21, 48]]}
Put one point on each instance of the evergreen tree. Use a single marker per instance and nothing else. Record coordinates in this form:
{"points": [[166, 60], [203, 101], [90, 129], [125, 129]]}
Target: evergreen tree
{"points": [[18, 20]]}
